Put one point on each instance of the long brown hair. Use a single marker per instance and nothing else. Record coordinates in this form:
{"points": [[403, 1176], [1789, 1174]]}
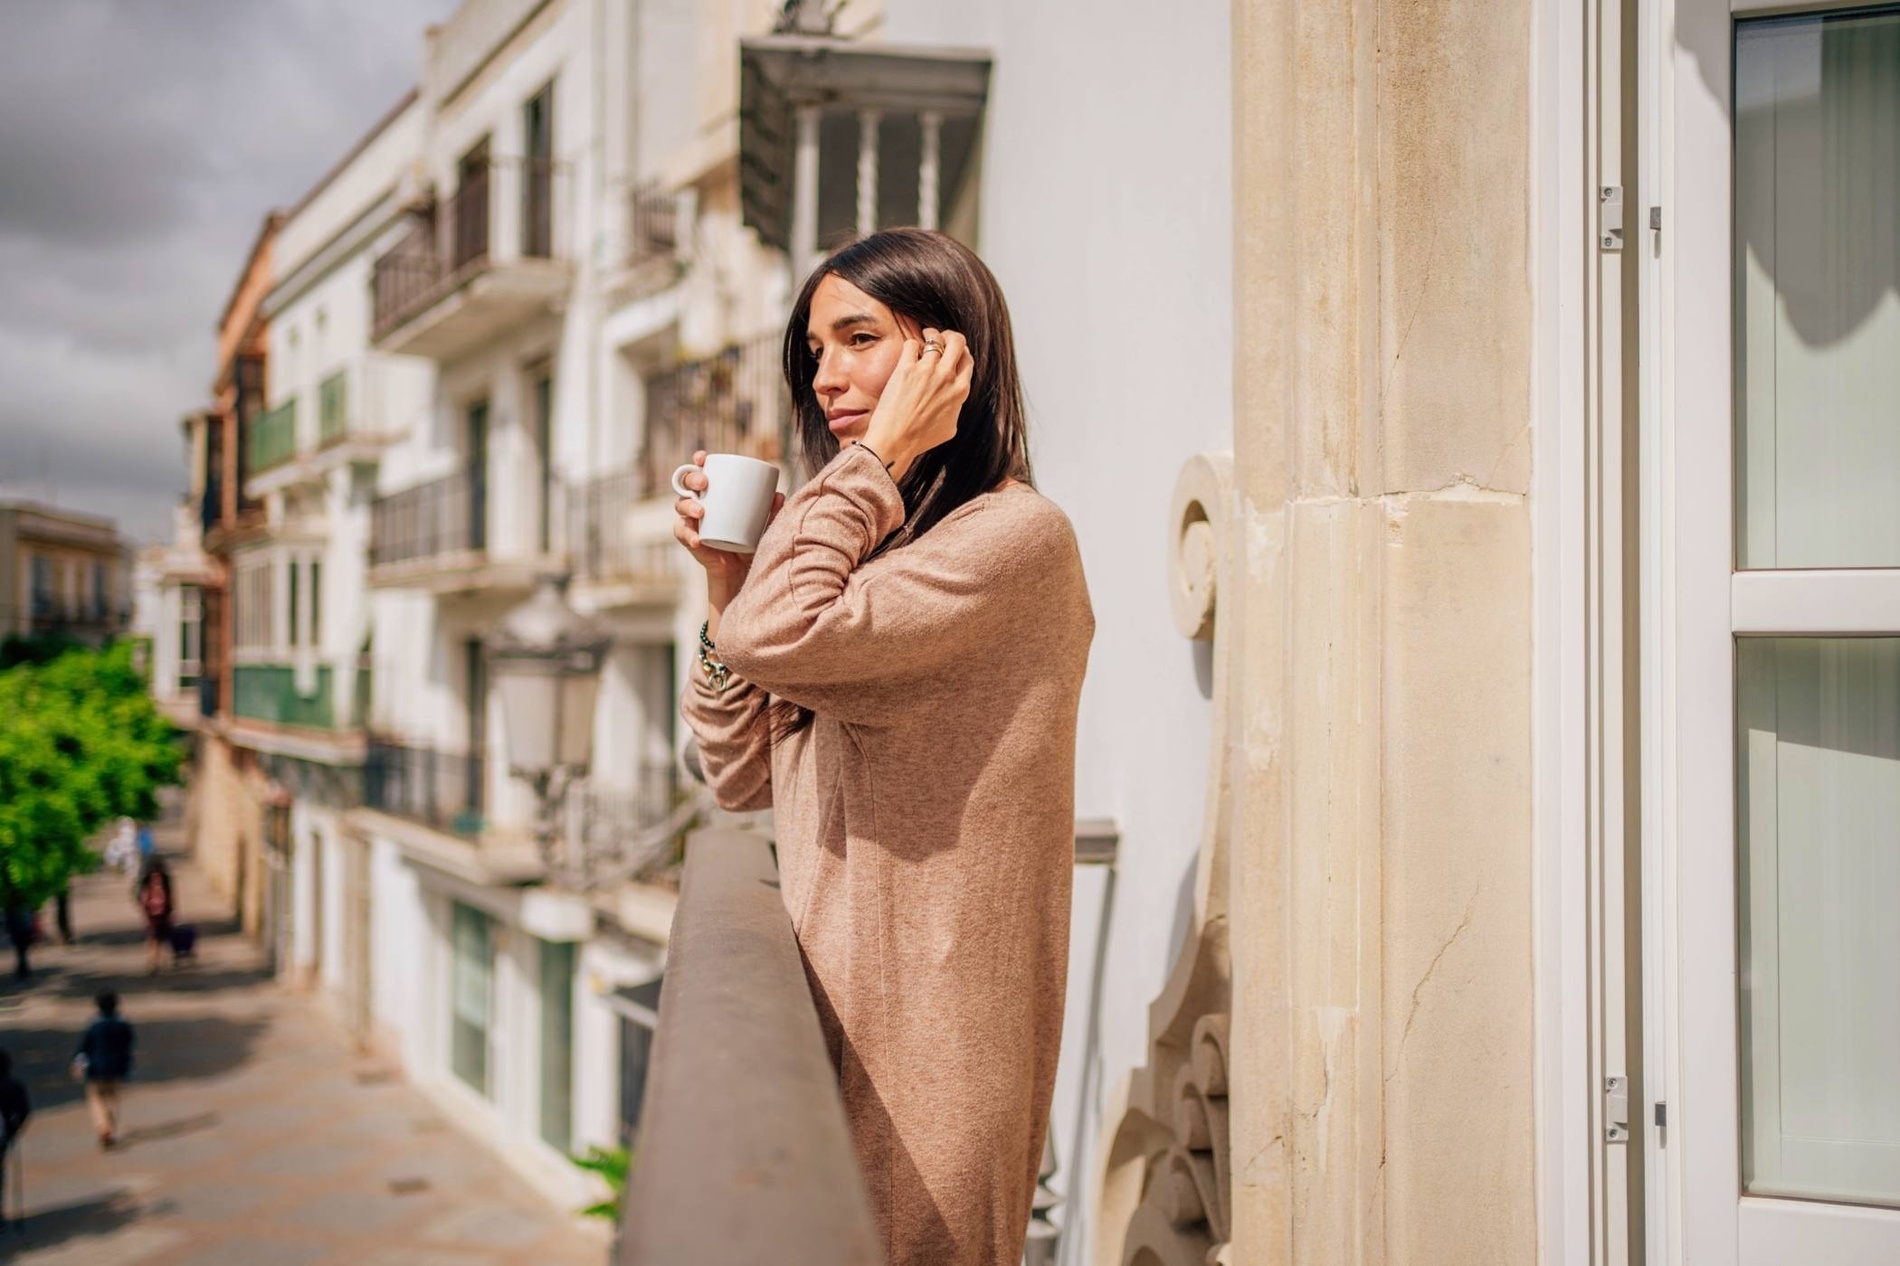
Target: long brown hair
{"points": [[938, 282]]}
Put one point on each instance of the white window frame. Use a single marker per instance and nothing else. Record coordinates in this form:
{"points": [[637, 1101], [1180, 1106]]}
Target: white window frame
{"points": [[1701, 605]]}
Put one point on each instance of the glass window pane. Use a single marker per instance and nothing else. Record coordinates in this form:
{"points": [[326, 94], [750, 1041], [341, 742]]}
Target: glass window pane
{"points": [[471, 992], [1819, 894], [557, 1044], [1817, 241]]}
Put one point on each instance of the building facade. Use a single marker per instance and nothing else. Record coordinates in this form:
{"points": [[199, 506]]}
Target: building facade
{"points": [[233, 808], [62, 574]]}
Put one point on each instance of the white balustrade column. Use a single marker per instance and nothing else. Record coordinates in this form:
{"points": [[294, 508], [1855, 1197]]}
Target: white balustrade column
{"points": [[868, 121], [804, 238], [927, 177]]}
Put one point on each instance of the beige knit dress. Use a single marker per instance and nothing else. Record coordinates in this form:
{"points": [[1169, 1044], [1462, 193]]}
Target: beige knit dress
{"points": [[925, 824]]}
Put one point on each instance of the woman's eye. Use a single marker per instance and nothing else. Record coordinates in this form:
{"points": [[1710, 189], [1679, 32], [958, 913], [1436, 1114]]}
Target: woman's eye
{"points": [[863, 339]]}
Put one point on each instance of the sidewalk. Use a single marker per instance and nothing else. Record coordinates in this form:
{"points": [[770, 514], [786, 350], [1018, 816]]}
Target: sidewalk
{"points": [[253, 1135]]}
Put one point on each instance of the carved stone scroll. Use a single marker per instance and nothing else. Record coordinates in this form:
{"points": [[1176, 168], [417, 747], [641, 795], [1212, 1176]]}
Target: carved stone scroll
{"points": [[1166, 1181]]}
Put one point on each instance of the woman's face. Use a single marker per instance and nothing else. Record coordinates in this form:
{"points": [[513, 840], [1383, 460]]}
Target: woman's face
{"points": [[857, 341]]}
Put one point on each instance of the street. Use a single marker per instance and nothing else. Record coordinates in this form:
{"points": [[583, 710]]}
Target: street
{"points": [[252, 1134]]}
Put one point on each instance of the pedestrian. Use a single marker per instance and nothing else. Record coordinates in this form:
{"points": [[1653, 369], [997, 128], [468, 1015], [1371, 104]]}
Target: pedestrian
{"points": [[896, 672], [15, 1108], [155, 903], [103, 1060], [63, 913], [20, 931], [122, 853]]}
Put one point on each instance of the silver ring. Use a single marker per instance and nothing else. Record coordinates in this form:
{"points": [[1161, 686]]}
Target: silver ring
{"points": [[933, 346]]}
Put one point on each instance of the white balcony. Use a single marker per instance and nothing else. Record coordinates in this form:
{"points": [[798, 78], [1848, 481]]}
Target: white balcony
{"points": [[488, 258]]}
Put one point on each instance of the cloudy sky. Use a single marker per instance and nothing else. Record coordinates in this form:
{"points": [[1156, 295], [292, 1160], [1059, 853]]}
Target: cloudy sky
{"points": [[141, 143]]}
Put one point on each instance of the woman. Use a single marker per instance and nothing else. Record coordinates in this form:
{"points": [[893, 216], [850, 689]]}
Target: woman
{"points": [[896, 672], [155, 902]]}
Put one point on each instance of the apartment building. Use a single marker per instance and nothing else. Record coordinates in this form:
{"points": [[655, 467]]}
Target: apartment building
{"points": [[62, 573], [529, 1002], [170, 581], [302, 638], [236, 811]]}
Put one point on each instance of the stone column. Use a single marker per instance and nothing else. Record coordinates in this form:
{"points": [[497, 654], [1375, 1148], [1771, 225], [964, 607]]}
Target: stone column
{"points": [[1381, 1043]]}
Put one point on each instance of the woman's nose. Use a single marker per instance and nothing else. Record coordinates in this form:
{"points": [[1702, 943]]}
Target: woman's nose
{"points": [[829, 380]]}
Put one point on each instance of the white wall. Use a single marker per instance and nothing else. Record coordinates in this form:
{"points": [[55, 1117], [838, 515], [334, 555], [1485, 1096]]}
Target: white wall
{"points": [[334, 898], [305, 918], [401, 946], [1106, 215]]}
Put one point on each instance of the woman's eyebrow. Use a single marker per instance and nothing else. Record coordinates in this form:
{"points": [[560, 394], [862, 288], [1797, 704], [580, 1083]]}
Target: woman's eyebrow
{"points": [[857, 318]]}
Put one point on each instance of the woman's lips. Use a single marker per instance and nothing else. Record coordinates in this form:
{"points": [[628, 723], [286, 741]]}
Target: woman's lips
{"points": [[842, 421]]}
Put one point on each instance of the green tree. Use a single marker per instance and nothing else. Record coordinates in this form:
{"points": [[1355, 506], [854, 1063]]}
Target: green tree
{"points": [[81, 743]]}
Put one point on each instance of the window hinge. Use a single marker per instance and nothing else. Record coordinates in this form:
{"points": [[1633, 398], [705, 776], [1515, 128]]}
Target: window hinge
{"points": [[1616, 1109], [1610, 217], [1655, 219], [1662, 1114]]}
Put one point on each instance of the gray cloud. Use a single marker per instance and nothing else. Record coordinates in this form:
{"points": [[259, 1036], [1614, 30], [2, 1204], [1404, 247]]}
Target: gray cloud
{"points": [[141, 144]]}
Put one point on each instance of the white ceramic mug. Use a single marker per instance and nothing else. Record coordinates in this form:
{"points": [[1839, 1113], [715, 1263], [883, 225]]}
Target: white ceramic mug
{"points": [[738, 500]]}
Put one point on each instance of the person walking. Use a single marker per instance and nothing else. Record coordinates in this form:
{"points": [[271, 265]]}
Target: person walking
{"points": [[15, 1108], [122, 853], [19, 920], [155, 903], [63, 913], [896, 672], [103, 1061]]}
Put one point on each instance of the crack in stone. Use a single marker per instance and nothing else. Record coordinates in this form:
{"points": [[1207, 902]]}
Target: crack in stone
{"points": [[1418, 989]]}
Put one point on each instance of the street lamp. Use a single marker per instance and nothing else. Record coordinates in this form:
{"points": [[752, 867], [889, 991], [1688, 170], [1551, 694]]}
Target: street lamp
{"points": [[545, 658]]}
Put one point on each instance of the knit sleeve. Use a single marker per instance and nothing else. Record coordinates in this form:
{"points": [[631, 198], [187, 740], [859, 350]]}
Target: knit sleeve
{"points": [[819, 625], [735, 743]]}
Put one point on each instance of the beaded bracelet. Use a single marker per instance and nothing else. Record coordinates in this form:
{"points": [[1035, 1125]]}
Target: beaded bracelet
{"points": [[716, 671]]}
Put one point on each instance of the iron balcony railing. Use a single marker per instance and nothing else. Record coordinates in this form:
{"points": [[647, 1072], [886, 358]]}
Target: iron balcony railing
{"points": [[455, 239], [271, 440], [268, 692], [405, 278], [627, 829], [601, 543], [440, 790], [743, 1128], [444, 516], [734, 402], [653, 217]]}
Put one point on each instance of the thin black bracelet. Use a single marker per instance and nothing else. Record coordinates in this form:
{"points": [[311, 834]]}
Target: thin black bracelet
{"points": [[873, 452]]}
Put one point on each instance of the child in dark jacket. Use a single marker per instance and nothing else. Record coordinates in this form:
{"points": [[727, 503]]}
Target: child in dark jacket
{"points": [[104, 1059]]}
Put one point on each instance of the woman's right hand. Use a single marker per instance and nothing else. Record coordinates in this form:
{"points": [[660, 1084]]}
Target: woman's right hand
{"points": [[725, 570]]}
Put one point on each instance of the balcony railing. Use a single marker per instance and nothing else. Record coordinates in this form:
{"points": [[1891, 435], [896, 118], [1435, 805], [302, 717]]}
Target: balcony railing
{"points": [[628, 831], [601, 543], [462, 236], [653, 219], [333, 408], [271, 439], [444, 516], [440, 790], [406, 278], [743, 1128], [268, 692], [734, 402]]}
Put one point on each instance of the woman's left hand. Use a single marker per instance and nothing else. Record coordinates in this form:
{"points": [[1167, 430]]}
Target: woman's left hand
{"points": [[919, 406]]}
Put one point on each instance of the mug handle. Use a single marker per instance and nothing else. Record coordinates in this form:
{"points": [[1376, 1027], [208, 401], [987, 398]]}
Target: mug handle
{"points": [[681, 488]]}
